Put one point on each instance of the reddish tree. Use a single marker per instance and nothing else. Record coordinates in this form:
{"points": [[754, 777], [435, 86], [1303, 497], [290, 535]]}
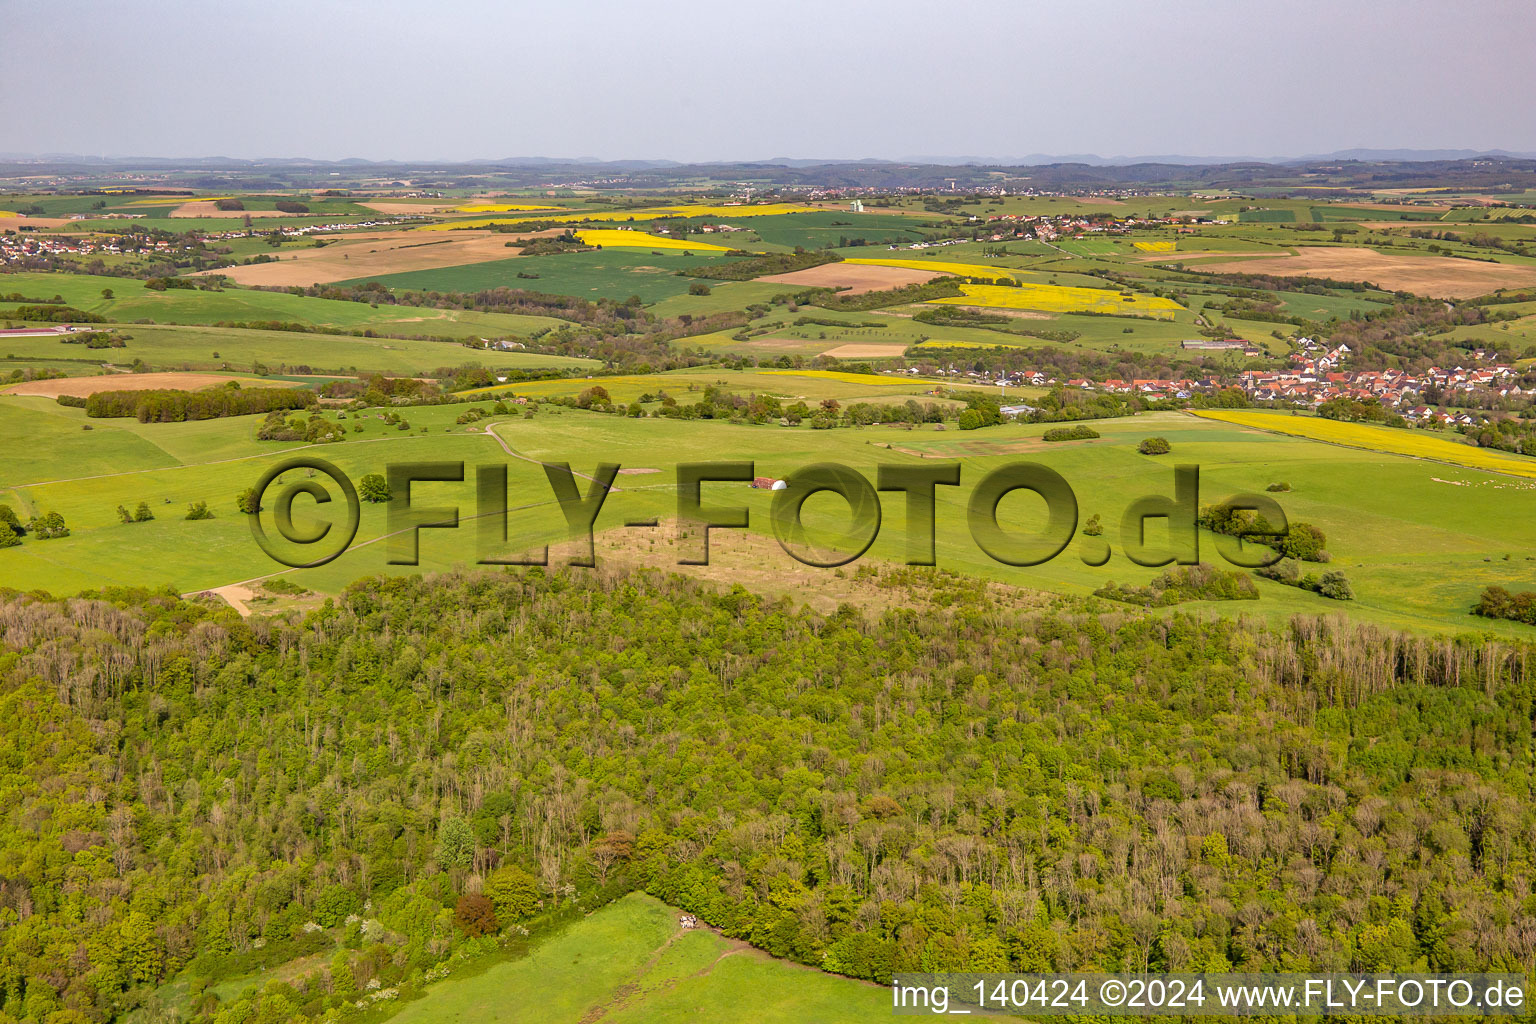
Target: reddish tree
{"points": [[475, 916]]}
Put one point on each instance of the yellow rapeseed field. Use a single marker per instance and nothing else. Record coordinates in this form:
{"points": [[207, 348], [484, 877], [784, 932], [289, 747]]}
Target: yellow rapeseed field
{"points": [[941, 267], [871, 379], [1155, 246], [1052, 298], [620, 239], [1391, 440], [705, 210], [501, 208], [941, 343]]}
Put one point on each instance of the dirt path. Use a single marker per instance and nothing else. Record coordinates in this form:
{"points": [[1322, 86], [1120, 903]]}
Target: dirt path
{"points": [[236, 594]]}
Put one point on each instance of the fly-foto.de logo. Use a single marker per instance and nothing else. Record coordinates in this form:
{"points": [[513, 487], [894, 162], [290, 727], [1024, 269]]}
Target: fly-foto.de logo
{"points": [[300, 522]]}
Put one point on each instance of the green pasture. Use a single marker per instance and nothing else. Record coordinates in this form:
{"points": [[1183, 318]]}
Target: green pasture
{"points": [[630, 964], [835, 228], [176, 347], [1404, 531], [611, 273], [132, 301], [723, 297], [1511, 337]]}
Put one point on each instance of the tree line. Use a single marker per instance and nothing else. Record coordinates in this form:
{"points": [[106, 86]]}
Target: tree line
{"points": [[173, 406]]}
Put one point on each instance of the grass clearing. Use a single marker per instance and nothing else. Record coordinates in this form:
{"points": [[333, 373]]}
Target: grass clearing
{"points": [[630, 963]]}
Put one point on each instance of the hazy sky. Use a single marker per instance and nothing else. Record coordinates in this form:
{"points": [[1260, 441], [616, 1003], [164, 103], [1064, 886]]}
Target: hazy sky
{"points": [[687, 80]]}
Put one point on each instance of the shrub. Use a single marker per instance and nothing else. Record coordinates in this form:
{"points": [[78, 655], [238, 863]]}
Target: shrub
{"points": [[1498, 603], [9, 538], [971, 419], [698, 288], [1077, 433], [55, 315], [1332, 584], [124, 514], [48, 526], [1182, 583], [199, 510], [1154, 446], [142, 514], [247, 501], [1304, 542], [374, 488], [1281, 486]]}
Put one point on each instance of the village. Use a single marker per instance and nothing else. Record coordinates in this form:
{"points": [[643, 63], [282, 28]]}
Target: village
{"points": [[1316, 375]]}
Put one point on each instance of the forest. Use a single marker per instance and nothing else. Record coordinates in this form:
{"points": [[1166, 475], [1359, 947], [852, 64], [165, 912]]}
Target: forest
{"points": [[1066, 785]]}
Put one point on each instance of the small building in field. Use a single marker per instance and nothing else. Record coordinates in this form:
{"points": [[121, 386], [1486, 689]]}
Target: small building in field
{"points": [[768, 483]]}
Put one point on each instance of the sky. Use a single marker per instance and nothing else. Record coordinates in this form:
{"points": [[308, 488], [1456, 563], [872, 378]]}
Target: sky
{"points": [[811, 79]]}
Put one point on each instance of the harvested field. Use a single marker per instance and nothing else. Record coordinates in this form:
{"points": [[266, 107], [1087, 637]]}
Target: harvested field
{"points": [[208, 208], [1397, 207], [374, 256], [1181, 255], [409, 207], [1436, 276], [856, 278], [83, 387], [778, 344], [17, 221], [866, 351]]}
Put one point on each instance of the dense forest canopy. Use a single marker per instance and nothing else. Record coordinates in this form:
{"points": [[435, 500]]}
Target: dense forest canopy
{"points": [[970, 789]]}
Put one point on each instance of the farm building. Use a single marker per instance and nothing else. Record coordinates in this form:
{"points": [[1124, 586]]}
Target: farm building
{"points": [[768, 483]]}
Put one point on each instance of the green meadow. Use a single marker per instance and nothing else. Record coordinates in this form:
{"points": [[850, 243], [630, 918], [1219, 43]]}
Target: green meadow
{"points": [[629, 963], [1404, 531], [181, 346], [610, 273], [131, 301]]}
